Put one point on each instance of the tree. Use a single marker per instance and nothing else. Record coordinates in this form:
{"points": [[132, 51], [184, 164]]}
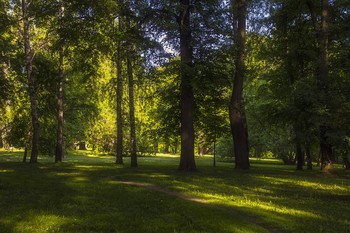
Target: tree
{"points": [[322, 33], [236, 110], [29, 55], [131, 90], [59, 141], [187, 161], [119, 100]]}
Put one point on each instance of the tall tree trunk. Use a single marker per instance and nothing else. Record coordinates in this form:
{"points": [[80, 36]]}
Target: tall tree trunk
{"points": [[308, 157], [299, 156], [326, 151], [59, 141], [131, 112], [31, 85], [325, 146], [26, 146], [119, 64], [236, 110], [131, 95], [187, 161]]}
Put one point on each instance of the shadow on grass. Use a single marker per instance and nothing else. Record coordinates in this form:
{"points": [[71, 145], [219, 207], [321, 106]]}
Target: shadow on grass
{"points": [[83, 195], [69, 198]]}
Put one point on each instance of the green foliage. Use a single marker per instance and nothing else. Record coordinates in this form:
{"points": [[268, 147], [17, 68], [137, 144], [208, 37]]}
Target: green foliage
{"points": [[224, 147]]}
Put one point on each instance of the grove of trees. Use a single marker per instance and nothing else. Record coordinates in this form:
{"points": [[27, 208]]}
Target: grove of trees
{"points": [[240, 78]]}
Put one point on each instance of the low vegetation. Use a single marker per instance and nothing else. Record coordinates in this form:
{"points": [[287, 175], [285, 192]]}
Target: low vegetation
{"points": [[89, 193]]}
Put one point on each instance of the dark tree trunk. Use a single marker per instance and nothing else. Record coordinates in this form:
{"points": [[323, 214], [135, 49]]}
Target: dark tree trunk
{"points": [[59, 141], [26, 146], [214, 154], [131, 97], [31, 85], [308, 158], [119, 110], [325, 147], [187, 161], [326, 154], [236, 110], [299, 157]]}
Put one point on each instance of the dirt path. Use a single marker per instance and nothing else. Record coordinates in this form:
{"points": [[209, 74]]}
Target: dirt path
{"points": [[183, 196], [166, 191]]}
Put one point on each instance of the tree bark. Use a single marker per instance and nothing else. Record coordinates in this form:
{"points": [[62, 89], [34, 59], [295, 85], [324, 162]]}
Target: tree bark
{"points": [[119, 110], [131, 94], [325, 146], [59, 140], [187, 161], [308, 158], [326, 151], [236, 109], [31, 85], [299, 157]]}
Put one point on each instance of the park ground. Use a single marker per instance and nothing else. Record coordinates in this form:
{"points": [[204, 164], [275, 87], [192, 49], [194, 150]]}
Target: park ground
{"points": [[90, 193]]}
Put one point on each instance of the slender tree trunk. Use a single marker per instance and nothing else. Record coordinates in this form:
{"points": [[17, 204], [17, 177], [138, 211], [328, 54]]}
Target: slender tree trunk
{"points": [[236, 110], [325, 146], [187, 161], [31, 85], [308, 158], [59, 141], [214, 153], [131, 112], [26, 146], [299, 157], [119, 64], [131, 96]]}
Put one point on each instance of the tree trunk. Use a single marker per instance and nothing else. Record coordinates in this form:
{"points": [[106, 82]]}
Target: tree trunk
{"points": [[119, 159], [236, 110], [299, 157], [59, 141], [31, 85], [308, 158], [214, 153], [326, 154], [325, 147], [187, 161], [131, 97]]}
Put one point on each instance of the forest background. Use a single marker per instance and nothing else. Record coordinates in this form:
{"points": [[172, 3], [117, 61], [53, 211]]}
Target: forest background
{"points": [[133, 78]]}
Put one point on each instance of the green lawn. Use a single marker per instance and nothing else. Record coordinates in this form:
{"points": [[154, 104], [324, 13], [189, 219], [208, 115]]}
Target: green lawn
{"points": [[86, 193]]}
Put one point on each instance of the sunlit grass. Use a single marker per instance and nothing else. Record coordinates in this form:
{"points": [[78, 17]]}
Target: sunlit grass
{"points": [[86, 193]]}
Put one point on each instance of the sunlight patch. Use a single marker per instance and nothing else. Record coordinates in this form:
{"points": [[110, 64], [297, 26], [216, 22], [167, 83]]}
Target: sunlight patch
{"points": [[6, 171], [42, 223]]}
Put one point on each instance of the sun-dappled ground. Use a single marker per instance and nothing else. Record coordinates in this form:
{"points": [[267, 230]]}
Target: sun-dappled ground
{"points": [[90, 193]]}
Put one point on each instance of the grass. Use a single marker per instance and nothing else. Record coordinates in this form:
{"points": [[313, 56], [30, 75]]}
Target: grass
{"points": [[86, 194]]}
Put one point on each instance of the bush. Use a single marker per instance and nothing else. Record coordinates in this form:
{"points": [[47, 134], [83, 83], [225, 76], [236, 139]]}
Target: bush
{"points": [[224, 147]]}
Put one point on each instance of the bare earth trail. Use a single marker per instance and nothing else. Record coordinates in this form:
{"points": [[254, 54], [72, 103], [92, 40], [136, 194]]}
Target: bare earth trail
{"points": [[157, 188]]}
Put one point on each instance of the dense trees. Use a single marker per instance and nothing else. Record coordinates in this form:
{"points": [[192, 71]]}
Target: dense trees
{"points": [[137, 77]]}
